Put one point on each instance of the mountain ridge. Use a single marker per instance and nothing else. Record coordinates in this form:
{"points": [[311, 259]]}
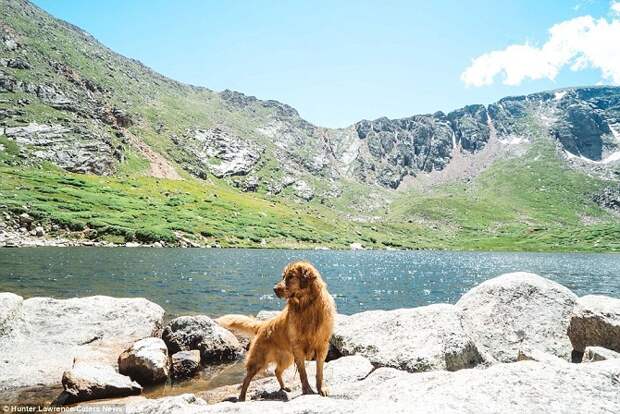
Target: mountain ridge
{"points": [[69, 102]]}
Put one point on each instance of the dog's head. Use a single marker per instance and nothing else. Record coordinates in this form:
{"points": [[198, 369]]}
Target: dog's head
{"points": [[300, 283]]}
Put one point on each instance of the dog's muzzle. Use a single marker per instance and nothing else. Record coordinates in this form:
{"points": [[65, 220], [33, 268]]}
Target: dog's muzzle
{"points": [[279, 290]]}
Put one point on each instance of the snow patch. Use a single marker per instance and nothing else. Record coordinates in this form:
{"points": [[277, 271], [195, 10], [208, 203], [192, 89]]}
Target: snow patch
{"points": [[613, 157], [512, 140], [559, 95]]}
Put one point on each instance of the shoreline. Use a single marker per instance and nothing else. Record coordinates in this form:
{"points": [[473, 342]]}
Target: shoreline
{"points": [[19, 240]]}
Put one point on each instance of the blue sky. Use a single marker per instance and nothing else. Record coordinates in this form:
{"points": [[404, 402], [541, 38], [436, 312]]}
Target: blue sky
{"points": [[341, 61]]}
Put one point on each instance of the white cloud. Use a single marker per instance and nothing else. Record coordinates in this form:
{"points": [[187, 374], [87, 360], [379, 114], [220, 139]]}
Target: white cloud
{"points": [[579, 43]]}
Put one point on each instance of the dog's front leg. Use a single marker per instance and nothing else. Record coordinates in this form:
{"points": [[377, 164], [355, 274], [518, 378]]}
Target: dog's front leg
{"points": [[320, 361], [301, 367]]}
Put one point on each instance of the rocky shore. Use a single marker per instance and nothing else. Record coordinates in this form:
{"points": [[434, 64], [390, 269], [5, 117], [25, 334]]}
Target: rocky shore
{"points": [[516, 343], [25, 230]]}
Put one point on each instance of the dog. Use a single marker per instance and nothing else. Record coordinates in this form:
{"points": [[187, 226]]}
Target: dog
{"points": [[300, 333]]}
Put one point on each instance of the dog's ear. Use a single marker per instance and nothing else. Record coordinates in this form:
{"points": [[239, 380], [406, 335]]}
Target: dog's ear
{"points": [[307, 276]]}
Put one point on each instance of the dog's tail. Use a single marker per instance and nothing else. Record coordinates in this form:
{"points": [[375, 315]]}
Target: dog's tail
{"points": [[240, 323]]}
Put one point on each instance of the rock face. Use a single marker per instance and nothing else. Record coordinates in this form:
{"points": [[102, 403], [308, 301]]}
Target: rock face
{"points": [[220, 151], [419, 339], [595, 321], [85, 382], [146, 361], [215, 343], [185, 364], [518, 310], [94, 329], [76, 149]]}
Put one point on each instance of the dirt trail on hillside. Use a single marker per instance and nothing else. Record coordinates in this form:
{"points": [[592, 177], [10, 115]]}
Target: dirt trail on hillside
{"points": [[160, 167]]}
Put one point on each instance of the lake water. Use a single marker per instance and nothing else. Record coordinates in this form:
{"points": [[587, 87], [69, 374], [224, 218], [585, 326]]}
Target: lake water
{"points": [[218, 281]]}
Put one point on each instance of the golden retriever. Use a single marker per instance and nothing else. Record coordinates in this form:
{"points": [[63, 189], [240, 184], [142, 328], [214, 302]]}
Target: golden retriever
{"points": [[300, 333]]}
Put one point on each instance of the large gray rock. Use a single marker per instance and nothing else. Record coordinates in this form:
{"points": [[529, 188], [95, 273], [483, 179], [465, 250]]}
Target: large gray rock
{"points": [[595, 321], [215, 343], [524, 387], [146, 361], [47, 334], [90, 382], [185, 364], [517, 310], [181, 404], [419, 339], [338, 373]]}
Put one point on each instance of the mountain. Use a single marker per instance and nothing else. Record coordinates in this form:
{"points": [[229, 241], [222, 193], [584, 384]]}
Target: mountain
{"points": [[97, 146]]}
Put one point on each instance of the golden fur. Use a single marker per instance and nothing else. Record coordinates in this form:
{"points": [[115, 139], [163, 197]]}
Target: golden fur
{"points": [[299, 333]]}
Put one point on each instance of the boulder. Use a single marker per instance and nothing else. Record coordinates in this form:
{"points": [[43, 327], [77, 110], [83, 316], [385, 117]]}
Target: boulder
{"points": [[518, 310], [181, 404], [419, 339], [597, 353], [47, 334], [595, 321], [185, 364], [146, 361], [336, 374], [215, 343], [90, 382], [526, 387]]}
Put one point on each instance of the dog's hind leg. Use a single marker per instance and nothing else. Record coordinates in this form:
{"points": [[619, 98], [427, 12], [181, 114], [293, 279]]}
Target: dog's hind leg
{"points": [[251, 371]]}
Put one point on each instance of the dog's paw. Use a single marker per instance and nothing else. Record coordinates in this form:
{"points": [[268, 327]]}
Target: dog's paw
{"points": [[324, 392], [307, 391], [287, 389]]}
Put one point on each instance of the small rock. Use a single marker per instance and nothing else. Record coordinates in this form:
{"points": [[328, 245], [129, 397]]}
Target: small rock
{"points": [[84, 383], [146, 361], [185, 364], [598, 353], [25, 220], [39, 232]]}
